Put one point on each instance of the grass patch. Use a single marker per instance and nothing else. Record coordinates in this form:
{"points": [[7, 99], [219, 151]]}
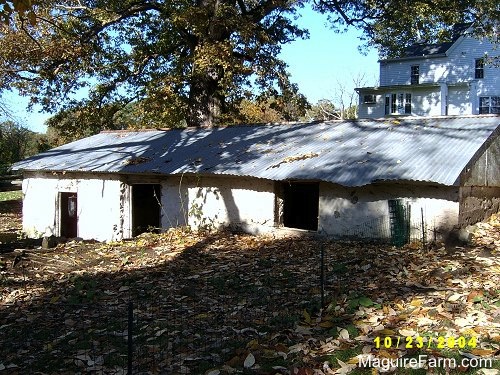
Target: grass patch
{"points": [[11, 195]]}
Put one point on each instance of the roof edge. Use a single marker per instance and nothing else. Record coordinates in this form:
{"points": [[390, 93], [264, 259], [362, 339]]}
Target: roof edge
{"points": [[465, 172]]}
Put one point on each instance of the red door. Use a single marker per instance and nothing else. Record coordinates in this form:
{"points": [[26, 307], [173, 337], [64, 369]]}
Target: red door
{"points": [[69, 215]]}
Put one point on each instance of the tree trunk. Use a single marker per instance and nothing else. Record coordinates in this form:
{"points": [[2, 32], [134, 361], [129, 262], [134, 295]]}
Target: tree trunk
{"points": [[205, 98], [204, 105]]}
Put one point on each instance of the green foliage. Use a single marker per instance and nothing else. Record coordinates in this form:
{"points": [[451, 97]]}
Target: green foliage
{"points": [[23, 8], [323, 110], [170, 63], [290, 106], [11, 195], [393, 25], [16, 143]]}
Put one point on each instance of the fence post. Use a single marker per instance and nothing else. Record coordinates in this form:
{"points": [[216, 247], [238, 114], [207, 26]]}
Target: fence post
{"points": [[130, 328], [423, 227], [322, 275]]}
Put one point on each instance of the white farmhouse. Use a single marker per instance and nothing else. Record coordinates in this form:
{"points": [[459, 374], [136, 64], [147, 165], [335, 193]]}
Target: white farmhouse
{"points": [[454, 78]]}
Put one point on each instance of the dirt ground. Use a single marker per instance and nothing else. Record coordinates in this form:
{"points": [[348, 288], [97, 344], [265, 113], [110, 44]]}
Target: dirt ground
{"points": [[10, 216]]}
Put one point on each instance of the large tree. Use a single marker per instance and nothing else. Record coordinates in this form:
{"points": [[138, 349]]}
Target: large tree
{"points": [[180, 59], [393, 25], [189, 61]]}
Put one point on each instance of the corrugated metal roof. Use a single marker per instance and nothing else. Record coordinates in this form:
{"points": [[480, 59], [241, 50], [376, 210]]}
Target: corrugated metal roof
{"points": [[350, 153]]}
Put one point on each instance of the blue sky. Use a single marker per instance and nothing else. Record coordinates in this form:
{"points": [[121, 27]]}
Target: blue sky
{"points": [[317, 65]]}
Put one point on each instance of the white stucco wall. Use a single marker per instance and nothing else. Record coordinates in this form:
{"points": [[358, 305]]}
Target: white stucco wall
{"points": [[244, 203], [364, 211], [98, 206], [104, 209], [212, 201]]}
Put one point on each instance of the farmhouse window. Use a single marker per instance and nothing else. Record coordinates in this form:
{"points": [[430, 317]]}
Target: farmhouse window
{"points": [[414, 74], [398, 104], [393, 103], [489, 104], [300, 204], [479, 70], [408, 103], [369, 99]]}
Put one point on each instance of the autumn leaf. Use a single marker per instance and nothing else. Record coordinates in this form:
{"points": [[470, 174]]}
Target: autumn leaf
{"points": [[307, 317], [365, 301], [249, 361]]}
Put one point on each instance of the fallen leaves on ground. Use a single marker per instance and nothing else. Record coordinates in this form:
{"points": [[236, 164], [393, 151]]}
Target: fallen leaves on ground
{"points": [[223, 303]]}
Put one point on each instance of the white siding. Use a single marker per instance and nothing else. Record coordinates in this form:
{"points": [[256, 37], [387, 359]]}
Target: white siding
{"points": [[459, 101], [376, 110], [457, 67], [426, 102], [456, 71]]}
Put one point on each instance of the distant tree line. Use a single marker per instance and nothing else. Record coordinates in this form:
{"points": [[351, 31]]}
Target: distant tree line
{"points": [[18, 142]]}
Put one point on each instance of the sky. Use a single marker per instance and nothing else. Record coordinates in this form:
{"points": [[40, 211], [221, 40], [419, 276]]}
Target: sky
{"points": [[317, 65]]}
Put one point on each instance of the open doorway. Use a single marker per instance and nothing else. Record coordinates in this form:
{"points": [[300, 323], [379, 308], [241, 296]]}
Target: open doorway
{"points": [[146, 208], [68, 215], [300, 205]]}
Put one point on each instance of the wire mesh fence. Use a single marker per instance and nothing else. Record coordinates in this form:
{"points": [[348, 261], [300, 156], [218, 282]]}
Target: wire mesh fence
{"points": [[174, 334], [188, 322], [398, 229]]}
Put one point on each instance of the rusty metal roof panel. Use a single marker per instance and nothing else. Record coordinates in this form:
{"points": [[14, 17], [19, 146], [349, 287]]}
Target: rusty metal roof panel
{"points": [[350, 153]]}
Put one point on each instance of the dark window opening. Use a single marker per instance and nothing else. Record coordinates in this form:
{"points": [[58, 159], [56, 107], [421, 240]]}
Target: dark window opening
{"points": [[479, 69], [408, 104], [398, 104], [489, 104], [68, 215], [415, 74], [393, 103], [146, 208], [300, 205], [369, 99]]}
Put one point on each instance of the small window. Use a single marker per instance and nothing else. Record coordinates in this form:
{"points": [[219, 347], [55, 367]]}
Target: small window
{"points": [[393, 103], [408, 103], [415, 74], [369, 99], [479, 71], [489, 104], [387, 106]]}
